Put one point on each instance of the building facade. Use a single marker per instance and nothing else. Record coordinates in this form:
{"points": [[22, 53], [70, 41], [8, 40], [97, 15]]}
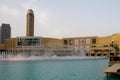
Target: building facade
{"points": [[102, 47], [79, 46], [33, 45], [92, 46], [5, 32]]}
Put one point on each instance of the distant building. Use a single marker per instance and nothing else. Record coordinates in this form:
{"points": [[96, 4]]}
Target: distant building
{"points": [[30, 23], [5, 32]]}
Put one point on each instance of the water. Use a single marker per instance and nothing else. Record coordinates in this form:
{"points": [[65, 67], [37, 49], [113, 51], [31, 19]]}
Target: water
{"points": [[55, 70]]}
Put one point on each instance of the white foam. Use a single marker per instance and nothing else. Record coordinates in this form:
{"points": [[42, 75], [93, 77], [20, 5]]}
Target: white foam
{"points": [[43, 58]]}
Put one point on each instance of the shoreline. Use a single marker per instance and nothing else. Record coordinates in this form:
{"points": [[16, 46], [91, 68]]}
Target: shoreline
{"points": [[47, 58]]}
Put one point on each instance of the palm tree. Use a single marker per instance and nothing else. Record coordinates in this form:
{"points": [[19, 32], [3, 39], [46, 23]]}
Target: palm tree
{"points": [[115, 46]]}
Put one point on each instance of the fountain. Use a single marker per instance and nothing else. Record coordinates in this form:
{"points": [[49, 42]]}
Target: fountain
{"points": [[48, 54], [82, 51]]}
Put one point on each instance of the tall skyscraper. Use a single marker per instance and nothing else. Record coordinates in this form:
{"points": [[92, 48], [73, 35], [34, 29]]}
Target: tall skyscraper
{"points": [[30, 23], [5, 32]]}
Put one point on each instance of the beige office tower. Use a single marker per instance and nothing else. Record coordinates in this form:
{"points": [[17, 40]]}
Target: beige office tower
{"points": [[30, 23]]}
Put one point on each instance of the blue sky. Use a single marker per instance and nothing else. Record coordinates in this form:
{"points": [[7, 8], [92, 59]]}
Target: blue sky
{"points": [[63, 18]]}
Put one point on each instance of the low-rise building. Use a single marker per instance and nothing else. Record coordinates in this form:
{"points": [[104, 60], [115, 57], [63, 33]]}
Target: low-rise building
{"points": [[81, 46], [32, 45]]}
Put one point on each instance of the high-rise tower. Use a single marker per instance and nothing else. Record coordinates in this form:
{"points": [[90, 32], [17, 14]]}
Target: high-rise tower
{"points": [[30, 23], [5, 32]]}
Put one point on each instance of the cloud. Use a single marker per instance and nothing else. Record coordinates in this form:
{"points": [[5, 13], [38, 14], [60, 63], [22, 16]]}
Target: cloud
{"points": [[5, 10], [42, 17], [29, 4]]}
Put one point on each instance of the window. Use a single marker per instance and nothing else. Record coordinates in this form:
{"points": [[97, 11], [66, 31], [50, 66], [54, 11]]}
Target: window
{"points": [[65, 42], [76, 41], [70, 42], [28, 42], [93, 41], [82, 41], [88, 41]]}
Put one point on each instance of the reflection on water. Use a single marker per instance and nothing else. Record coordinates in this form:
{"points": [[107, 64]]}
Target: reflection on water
{"points": [[112, 77], [55, 70]]}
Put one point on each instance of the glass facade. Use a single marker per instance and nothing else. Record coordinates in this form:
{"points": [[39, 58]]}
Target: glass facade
{"points": [[28, 42]]}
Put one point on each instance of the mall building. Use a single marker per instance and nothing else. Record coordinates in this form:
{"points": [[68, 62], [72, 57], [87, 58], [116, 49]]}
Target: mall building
{"points": [[90, 46], [32, 45], [94, 45]]}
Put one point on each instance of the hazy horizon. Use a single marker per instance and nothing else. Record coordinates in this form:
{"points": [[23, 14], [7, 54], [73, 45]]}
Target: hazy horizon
{"points": [[63, 18]]}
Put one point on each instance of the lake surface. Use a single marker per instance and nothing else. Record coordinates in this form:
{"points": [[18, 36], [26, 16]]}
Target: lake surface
{"points": [[92, 69]]}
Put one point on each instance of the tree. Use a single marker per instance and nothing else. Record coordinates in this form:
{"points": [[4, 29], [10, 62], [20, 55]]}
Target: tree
{"points": [[115, 46]]}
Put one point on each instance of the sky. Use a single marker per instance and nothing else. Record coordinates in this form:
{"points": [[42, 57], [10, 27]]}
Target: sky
{"points": [[63, 18]]}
